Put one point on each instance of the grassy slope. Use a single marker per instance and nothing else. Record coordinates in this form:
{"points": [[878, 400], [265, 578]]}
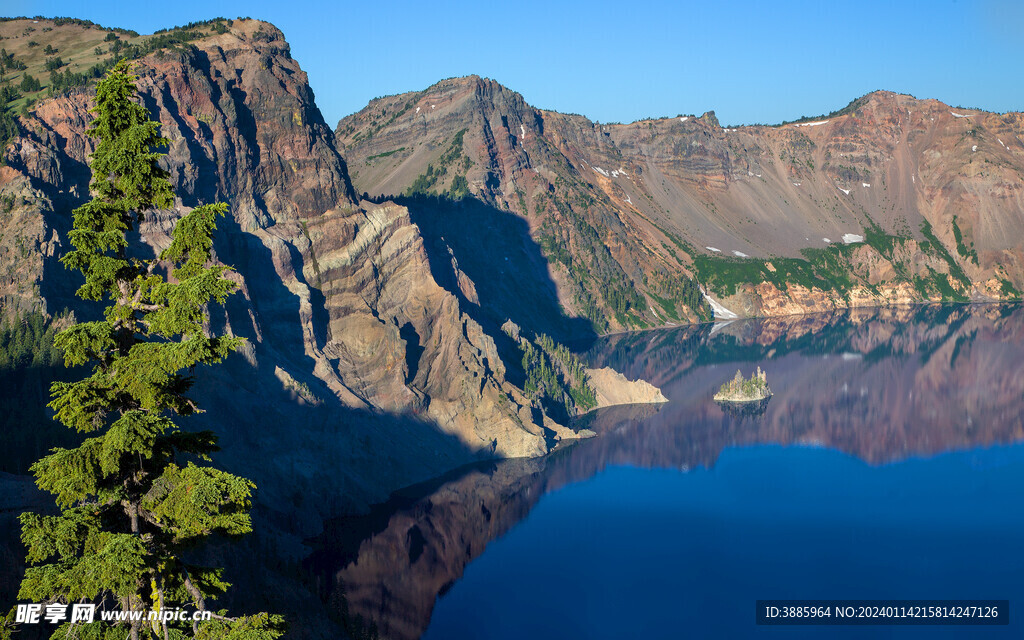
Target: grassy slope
{"points": [[77, 46]]}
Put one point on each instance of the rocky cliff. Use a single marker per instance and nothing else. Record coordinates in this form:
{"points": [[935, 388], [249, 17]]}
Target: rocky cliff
{"points": [[364, 371], [889, 200]]}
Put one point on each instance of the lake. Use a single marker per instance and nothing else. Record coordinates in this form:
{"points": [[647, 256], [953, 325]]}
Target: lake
{"points": [[886, 465]]}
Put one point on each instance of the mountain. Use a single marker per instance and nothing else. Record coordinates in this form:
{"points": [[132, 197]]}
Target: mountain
{"points": [[362, 374], [337, 297], [400, 334], [889, 200]]}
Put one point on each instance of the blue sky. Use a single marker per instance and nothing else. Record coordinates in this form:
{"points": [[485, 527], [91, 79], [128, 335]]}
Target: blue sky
{"points": [[750, 61]]}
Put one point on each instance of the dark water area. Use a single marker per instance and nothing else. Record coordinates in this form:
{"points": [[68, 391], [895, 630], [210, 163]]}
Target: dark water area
{"points": [[888, 464]]}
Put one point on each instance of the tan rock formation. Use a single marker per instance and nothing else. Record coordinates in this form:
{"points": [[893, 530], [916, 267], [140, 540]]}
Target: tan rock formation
{"points": [[613, 388]]}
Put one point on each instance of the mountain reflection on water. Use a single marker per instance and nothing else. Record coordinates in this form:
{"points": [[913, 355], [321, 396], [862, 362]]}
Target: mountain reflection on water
{"points": [[881, 385]]}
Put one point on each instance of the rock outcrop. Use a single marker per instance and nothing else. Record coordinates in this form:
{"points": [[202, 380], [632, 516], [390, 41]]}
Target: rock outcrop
{"points": [[613, 388]]}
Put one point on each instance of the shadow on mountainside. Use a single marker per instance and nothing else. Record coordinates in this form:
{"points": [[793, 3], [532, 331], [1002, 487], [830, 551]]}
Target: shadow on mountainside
{"points": [[59, 285], [312, 459], [487, 259], [494, 249]]}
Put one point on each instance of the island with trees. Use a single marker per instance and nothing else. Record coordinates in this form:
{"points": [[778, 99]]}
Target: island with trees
{"points": [[741, 390]]}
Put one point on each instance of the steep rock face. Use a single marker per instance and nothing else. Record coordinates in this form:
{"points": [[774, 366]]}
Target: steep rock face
{"points": [[892, 199], [473, 136], [344, 318], [402, 339]]}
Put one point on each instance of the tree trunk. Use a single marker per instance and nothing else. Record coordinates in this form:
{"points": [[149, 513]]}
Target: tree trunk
{"points": [[133, 515]]}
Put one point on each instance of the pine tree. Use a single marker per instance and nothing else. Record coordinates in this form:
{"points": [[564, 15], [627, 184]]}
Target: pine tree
{"points": [[139, 493]]}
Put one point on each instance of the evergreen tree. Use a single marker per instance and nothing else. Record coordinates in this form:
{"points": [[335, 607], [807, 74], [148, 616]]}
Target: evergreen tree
{"points": [[137, 494]]}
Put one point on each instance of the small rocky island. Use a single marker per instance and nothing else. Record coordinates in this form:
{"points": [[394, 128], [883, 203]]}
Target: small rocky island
{"points": [[740, 390]]}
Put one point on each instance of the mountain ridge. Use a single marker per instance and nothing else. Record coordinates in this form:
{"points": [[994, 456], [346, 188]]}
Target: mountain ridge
{"points": [[851, 105], [686, 185]]}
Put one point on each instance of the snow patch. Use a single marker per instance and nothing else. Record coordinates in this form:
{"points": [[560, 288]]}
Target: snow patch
{"points": [[846, 191], [811, 124], [602, 172], [628, 200], [827, 241], [866, 185], [713, 249], [750, 173], [974, 148], [720, 311], [758, 175], [913, 179], [796, 184], [432, 106], [684, 119], [1000, 143], [522, 130], [740, 254], [417, 109], [961, 115], [850, 238]]}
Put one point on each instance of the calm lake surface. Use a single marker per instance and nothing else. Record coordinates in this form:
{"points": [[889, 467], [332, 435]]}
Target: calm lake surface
{"points": [[886, 465]]}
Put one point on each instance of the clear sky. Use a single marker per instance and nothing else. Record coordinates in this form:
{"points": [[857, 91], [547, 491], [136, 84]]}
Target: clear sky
{"points": [[750, 61]]}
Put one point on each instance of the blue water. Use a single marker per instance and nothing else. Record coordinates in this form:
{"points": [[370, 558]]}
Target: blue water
{"points": [[657, 553], [678, 517]]}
